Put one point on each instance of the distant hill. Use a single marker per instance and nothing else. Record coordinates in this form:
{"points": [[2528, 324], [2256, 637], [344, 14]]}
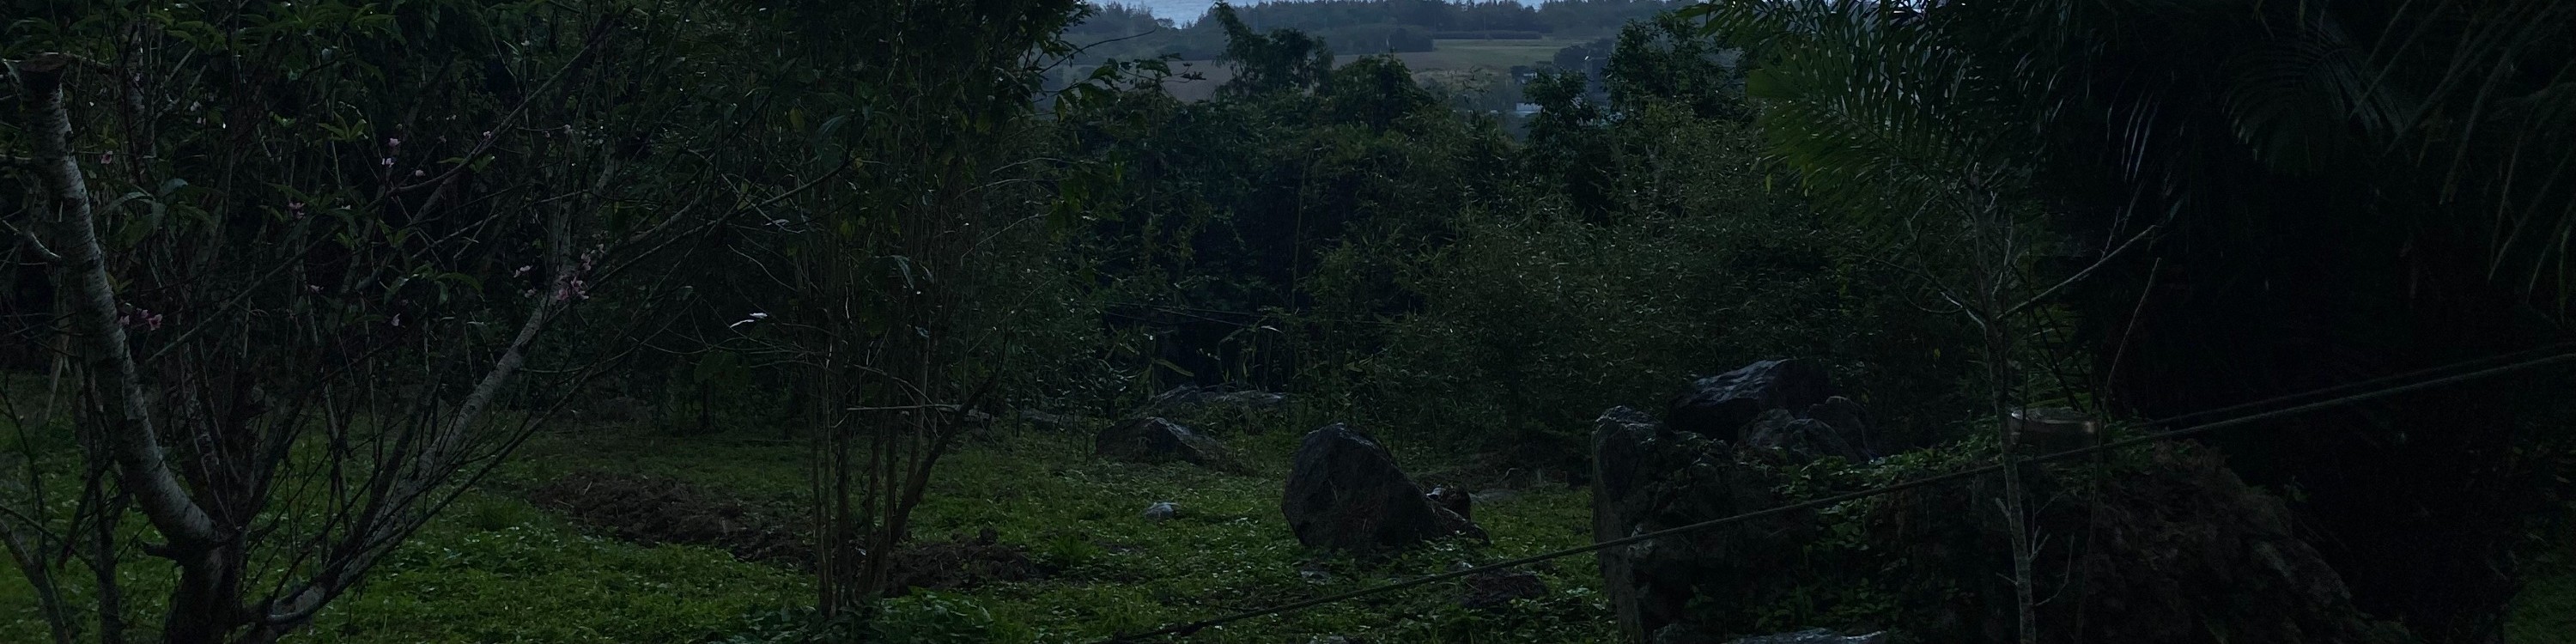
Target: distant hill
{"points": [[1131, 31]]}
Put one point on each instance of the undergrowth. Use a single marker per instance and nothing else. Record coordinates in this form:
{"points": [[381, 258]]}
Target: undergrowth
{"points": [[496, 569]]}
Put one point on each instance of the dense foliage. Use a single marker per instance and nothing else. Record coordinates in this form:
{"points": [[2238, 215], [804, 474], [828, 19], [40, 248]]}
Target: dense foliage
{"points": [[289, 279]]}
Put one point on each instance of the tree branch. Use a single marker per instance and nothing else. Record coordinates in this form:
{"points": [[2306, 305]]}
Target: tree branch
{"points": [[2079, 275], [92, 300]]}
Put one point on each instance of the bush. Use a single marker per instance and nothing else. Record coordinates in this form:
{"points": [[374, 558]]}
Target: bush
{"points": [[1533, 322]]}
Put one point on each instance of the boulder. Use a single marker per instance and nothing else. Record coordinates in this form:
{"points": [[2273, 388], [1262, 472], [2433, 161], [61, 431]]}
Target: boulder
{"points": [[1345, 493], [1802, 439], [1648, 478], [1717, 406], [1784, 406], [1457, 502], [1154, 440]]}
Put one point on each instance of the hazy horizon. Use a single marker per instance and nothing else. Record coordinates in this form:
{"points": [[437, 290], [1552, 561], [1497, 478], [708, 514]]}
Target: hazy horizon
{"points": [[1187, 11]]}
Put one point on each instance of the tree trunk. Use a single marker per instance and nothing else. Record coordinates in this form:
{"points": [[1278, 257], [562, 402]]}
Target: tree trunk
{"points": [[195, 541], [2016, 518]]}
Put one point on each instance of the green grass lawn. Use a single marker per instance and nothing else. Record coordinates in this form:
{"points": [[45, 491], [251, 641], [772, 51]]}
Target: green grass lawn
{"points": [[496, 569]]}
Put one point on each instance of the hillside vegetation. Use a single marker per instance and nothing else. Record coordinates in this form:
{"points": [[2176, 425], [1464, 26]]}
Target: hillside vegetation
{"points": [[1041, 321]]}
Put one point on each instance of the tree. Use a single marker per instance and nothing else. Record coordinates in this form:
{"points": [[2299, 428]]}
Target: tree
{"points": [[2315, 165], [1884, 119], [1283, 60], [297, 329], [1376, 92], [899, 302]]}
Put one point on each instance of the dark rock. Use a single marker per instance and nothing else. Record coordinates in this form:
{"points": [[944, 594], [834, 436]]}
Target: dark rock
{"points": [[1646, 478], [1154, 440], [1717, 406], [1813, 636], [1498, 588], [1801, 439], [1345, 493], [1842, 413], [1784, 406], [1457, 502]]}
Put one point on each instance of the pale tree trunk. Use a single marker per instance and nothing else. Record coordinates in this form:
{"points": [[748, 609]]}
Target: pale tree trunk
{"points": [[2015, 502], [194, 540], [206, 607]]}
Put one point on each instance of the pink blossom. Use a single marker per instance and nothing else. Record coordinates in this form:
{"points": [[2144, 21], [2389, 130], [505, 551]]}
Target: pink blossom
{"points": [[420, 173], [140, 317], [387, 162], [107, 158], [397, 320], [393, 143]]}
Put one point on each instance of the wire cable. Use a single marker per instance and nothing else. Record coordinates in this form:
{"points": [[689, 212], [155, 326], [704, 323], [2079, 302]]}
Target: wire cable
{"points": [[2194, 430]]}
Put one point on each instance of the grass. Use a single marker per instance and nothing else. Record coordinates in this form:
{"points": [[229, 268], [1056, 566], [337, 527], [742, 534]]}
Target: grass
{"points": [[495, 569], [1448, 55], [2545, 611], [498, 570], [1487, 54]]}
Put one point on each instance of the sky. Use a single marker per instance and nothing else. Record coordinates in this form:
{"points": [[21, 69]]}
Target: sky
{"points": [[1185, 11]]}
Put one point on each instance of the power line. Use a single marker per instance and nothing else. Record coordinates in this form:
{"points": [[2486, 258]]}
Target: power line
{"points": [[1193, 627], [2367, 384]]}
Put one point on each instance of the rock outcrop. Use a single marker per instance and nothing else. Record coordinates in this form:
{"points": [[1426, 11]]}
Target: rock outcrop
{"points": [[1155, 440], [1716, 406], [1646, 478], [1787, 406], [1345, 493]]}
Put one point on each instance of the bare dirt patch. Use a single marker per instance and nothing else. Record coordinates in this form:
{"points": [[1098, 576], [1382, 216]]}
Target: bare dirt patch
{"points": [[653, 510]]}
